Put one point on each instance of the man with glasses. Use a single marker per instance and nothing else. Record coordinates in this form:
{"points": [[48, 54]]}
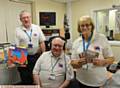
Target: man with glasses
{"points": [[30, 36], [52, 69]]}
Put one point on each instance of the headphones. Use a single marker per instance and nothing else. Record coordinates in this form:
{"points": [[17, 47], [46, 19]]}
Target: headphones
{"points": [[52, 38]]}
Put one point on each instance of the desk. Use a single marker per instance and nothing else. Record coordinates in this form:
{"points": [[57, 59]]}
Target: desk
{"points": [[114, 43], [116, 49], [8, 76], [19, 86]]}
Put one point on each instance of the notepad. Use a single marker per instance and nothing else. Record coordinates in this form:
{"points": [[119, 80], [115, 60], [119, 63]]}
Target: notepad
{"points": [[18, 55]]}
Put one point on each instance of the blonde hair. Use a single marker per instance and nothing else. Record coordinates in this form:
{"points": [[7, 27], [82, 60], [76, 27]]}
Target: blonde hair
{"points": [[85, 18]]}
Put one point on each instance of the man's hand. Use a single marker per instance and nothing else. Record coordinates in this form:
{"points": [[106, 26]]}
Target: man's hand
{"points": [[39, 51]]}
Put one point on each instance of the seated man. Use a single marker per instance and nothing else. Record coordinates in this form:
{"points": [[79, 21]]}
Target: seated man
{"points": [[52, 69]]}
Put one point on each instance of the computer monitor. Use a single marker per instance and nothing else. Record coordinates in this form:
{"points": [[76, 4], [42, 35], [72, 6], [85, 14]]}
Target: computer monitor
{"points": [[47, 19]]}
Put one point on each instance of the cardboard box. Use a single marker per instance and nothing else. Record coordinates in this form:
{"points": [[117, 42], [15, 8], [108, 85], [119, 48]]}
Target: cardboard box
{"points": [[117, 36]]}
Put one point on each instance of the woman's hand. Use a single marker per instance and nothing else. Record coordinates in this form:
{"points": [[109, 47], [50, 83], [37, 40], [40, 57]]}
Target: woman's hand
{"points": [[99, 62], [78, 63]]}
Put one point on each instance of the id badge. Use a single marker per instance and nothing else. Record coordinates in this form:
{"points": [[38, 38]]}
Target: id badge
{"points": [[52, 77], [30, 45]]}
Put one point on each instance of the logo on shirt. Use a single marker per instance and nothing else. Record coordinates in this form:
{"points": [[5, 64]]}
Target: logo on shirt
{"points": [[60, 65], [97, 48], [35, 34]]}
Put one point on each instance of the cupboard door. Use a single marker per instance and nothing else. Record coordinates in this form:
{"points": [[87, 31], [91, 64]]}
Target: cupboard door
{"points": [[2, 22], [9, 18], [14, 8]]}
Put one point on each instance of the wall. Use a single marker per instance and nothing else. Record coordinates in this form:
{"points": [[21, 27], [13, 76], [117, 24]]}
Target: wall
{"points": [[86, 7], [79, 8], [48, 5], [10, 15]]}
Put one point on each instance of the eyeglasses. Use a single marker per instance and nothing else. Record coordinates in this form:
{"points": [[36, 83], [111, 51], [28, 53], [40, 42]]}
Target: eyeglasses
{"points": [[25, 17], [56, 45], [85, 25]]}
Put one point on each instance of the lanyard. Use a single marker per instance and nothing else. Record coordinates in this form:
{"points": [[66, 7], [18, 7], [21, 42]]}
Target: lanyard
{"points": [[85, 48], [29, 35], [53, 66]]}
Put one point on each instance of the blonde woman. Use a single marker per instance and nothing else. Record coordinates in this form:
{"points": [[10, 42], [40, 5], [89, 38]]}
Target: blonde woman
{"points": [[91, 53]]}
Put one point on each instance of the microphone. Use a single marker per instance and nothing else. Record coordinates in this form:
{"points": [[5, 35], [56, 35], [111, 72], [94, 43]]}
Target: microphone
{"points": [[65, 21], [67, 35], [66, 27], [114, 67]]}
